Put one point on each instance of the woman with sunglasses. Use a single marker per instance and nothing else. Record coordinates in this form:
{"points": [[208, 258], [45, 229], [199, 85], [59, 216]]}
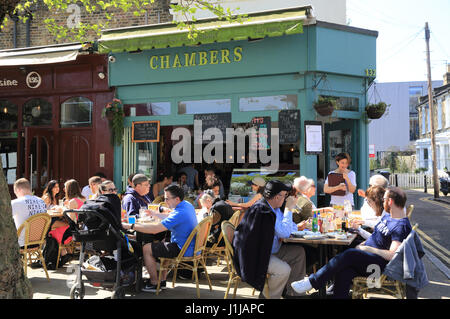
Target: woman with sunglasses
{"points": [[107, 187]]}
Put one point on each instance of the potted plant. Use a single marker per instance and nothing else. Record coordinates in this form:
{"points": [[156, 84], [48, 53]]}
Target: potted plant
{"points": [[325, 105], [376, 110], [113, 111]]}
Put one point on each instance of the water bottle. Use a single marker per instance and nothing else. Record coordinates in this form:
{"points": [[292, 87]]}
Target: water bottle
{"points": [[314, 223]]}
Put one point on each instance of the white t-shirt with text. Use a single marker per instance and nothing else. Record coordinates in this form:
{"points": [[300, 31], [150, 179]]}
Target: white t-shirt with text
{"points": [[25, 207]]}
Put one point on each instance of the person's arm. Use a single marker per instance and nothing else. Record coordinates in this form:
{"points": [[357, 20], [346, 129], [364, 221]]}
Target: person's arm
{"points": [[249, 203], [155, 190], [351, 187], [161, 215], [331, 189], [285, 226], [146, 228], [386, 254]]}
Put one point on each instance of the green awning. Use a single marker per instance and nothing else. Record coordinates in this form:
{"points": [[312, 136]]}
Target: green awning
{"points": [[259, 25]]}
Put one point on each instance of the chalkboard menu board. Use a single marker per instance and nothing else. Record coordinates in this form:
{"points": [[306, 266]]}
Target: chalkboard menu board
{"points": [[262, 138], [289, 126], [145, 131], [222, 121]]}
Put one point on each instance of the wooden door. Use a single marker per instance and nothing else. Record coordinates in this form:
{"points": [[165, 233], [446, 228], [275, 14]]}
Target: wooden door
{"points": [[75, 155]]}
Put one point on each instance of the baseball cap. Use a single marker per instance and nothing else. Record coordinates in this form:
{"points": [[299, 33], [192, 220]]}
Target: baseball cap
{"points": [[274, 187], [258, 181]]}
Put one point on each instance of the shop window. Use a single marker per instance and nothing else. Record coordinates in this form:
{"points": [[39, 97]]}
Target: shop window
{"points": [[348, 103], [37, 112], [76, 112], [146, 109], [8, 115], [268, 103], [204, 106]]}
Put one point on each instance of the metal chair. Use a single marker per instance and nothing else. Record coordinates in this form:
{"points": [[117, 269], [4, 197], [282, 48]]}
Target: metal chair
{"points": [[228, 234], [35, 228], [387, 286], [200, 232]]}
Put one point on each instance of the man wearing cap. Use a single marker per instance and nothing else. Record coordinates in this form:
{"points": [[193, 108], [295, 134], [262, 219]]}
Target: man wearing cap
{"points": [[258, 247], [257, 185]]}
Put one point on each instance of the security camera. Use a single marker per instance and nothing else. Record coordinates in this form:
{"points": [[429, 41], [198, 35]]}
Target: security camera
{"points": [[112, 59]]}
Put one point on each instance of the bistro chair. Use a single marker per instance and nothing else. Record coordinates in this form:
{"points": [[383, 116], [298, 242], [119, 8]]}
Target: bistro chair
{"points": [[220, 251], [200, 235], [389, 287], [409, 211], [228, 234], [235, 218], [35, 229]]}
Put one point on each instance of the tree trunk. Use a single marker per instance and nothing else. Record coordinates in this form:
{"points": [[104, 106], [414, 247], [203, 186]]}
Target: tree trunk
{"points": [[13, 282]]}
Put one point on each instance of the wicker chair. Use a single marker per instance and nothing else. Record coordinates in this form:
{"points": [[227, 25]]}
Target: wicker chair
{"points": [[409, 211], [228, 234], [35, 229], [200, 232], [235, 218], [217, 251], [390, 287]]}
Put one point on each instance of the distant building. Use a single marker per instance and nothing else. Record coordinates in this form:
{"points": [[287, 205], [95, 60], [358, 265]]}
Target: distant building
{"points": [[398, 128], [324, 10], [441, 97]]}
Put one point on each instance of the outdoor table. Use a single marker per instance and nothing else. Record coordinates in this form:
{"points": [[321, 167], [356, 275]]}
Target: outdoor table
{"points": [[323, 245]]}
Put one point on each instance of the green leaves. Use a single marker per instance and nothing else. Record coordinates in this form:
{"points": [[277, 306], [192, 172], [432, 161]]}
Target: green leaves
{"points": [[77, 28]]}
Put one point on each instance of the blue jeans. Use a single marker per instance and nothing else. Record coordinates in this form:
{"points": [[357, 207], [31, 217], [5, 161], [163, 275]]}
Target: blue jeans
{"points": [[343, 268]]}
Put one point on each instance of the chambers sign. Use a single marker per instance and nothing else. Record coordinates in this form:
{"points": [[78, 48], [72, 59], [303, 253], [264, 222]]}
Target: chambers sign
{"points": [[198, 58]]}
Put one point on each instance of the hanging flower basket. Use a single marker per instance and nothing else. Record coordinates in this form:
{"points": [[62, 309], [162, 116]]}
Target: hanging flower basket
{"points": [[114, 113], [375, 111], [325, 106]]}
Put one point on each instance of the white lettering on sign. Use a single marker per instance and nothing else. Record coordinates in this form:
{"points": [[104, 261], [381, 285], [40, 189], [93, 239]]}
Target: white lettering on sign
{"points": [[33, 80], [6, 82]]}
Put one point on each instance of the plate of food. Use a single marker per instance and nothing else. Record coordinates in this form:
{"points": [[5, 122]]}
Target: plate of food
{"points": [[314, 236], [301, 233]]}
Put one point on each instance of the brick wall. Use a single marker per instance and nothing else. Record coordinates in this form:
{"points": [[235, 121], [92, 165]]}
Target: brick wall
{"points": [[39, 35]]}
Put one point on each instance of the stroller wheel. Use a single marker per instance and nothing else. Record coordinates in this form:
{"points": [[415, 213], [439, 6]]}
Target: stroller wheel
{"points": [[77, 292], [119, 293]]}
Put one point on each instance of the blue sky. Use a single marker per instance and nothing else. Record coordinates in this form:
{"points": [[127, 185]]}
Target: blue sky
{"points": [[401, 50]]}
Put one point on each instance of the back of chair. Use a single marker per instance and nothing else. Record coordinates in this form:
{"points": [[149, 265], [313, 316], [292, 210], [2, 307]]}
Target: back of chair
{"points": [[234, 220], [409, 211], [204, 228], [35, 228], [200, 232], [228, 235]]}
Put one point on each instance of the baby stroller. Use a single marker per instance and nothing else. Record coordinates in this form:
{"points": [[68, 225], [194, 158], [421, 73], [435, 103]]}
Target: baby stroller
{"points": [[99, 232]]}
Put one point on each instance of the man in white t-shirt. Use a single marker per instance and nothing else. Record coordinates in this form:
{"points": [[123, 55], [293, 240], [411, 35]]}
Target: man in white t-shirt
{"points": [[25, 206]]}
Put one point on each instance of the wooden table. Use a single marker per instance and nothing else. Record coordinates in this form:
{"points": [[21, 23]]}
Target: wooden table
{"points": [[323, 245]]}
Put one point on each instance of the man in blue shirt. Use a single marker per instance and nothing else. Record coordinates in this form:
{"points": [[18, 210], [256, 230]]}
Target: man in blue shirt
{"points": [[180, 219], [379, 249]]}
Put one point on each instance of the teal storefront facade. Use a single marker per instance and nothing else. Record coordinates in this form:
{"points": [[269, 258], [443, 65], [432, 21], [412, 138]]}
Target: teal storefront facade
{"points": [[324, 59]]}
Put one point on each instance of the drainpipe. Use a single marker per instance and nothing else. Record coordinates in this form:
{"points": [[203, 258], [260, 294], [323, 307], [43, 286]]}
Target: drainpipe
{"points": [[27, 39], [14, 18]]}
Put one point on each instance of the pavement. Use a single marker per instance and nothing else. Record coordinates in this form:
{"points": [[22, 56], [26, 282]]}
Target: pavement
{"points": [[61, 280], [428, 213]]}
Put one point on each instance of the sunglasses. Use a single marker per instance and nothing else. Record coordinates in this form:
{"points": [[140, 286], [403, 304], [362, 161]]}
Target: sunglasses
{"points": [[111, 189]]}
